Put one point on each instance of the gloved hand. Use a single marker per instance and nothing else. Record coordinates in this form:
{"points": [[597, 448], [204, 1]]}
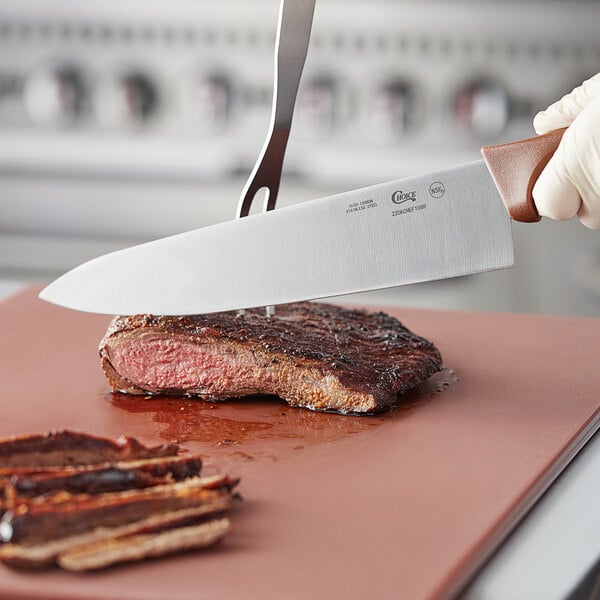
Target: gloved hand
{"points": [[570, 183]]}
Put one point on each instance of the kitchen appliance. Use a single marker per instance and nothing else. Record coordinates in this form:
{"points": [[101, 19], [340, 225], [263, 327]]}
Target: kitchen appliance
{"points": [[121, 124]]}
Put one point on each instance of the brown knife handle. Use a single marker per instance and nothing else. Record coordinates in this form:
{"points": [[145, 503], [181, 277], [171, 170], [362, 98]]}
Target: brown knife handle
{"points": [[515, 168]]}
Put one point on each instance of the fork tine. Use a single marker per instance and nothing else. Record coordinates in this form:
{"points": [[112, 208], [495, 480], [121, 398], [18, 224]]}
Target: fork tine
{"points": [[266, 172]]}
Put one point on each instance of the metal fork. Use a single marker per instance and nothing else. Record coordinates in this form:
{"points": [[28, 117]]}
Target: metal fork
{"points": [[291, 46]]}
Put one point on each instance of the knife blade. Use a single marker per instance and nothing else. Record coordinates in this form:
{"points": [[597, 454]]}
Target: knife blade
{"points": [[433, 226], [381, 236]]}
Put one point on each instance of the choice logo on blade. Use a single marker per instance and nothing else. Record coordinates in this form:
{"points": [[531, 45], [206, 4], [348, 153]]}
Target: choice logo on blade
{"points": [[399, 197]]}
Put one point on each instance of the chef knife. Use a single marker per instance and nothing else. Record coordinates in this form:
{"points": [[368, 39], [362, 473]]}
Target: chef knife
{"points": [[432, 226]]}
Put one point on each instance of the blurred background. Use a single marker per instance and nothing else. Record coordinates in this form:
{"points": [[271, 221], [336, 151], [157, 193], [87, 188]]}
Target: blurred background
{"points": [[121, 122]]}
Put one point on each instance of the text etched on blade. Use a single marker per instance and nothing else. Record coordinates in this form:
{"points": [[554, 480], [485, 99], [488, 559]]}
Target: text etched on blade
{"points": [[400, 197], [409, 209], [354, 207]]}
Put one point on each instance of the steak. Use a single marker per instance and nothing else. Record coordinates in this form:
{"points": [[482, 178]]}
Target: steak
{"points": [[313, 355], [114, 477], [45, 553], [33, 522], [147, 545], [84, 502], [62, 448]]}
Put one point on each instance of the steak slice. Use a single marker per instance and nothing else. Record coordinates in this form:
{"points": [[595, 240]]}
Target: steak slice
{"points": [[46, 519], [63, 448], [148, 545], [98, 479], [44, 553], [318, 356]]}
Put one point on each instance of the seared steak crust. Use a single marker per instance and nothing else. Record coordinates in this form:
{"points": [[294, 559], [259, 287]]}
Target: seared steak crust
{"points": [[319, 356]]}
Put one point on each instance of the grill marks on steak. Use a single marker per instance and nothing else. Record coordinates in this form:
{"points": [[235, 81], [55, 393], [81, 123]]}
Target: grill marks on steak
{"points": [[318, 356], [88, 516]]}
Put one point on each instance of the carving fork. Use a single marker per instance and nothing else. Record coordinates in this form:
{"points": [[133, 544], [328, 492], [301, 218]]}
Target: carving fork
{"points": [[291, 45]]}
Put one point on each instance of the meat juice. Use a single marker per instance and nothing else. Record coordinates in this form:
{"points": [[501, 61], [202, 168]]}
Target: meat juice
{"points": [[264, 428]]}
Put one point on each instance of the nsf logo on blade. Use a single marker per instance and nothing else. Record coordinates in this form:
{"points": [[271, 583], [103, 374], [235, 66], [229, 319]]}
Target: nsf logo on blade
{"points": [[437, 189]]}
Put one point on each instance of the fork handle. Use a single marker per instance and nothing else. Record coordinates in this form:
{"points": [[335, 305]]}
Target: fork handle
{"points": [[291, 47]]}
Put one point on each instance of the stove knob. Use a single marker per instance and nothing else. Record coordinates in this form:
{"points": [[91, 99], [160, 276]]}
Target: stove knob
{"points": [[318, 108], [207, 101], [396, 108], [483, 108], [54, 95], [126, 100]]}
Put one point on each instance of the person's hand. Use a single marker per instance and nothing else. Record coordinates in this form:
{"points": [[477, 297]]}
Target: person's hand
{"points": [[570, 183]]}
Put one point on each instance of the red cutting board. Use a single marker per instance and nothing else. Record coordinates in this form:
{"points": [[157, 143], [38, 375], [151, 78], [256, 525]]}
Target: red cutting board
{"points": [[402, 505]]}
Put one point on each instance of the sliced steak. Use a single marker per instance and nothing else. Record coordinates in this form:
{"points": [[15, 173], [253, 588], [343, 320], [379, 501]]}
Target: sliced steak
{"points": [[44, 553], [98, 479], [62, 448], [85, 502], [34, 521], [100, 555], [318, 356]]}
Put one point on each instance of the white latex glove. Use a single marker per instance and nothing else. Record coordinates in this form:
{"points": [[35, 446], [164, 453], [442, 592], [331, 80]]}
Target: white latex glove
{"points": [[570, 183]]}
